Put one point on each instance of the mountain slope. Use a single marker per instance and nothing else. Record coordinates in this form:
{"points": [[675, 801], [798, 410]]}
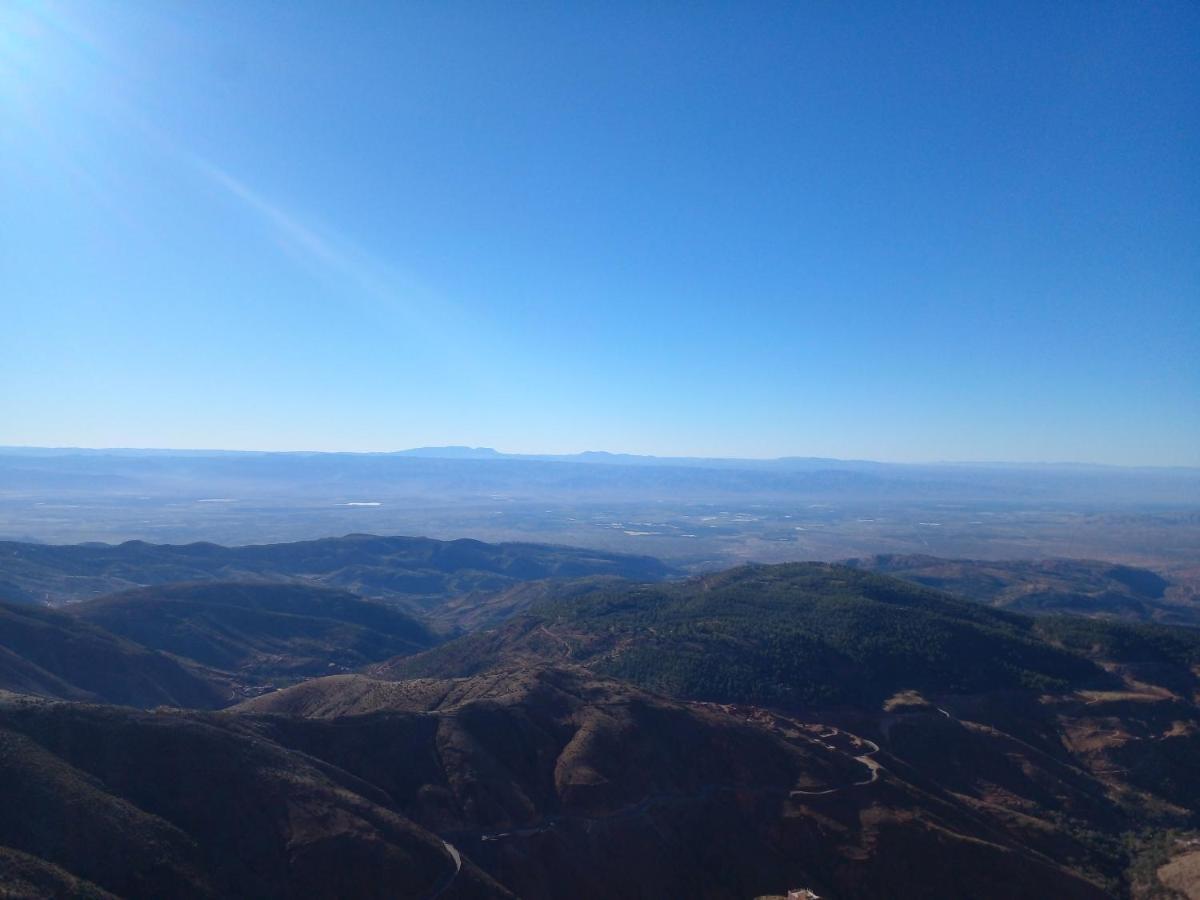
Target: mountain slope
{"points": [[547, 776], [258, 630], [23, 876], [485, 609], [190, 806], [419, 571], [54, 655], [1077, 732]]}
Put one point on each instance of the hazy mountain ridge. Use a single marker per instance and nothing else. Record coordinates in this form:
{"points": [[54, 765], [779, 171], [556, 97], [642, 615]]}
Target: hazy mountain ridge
{"points": [[223, 639], [447, 471], [50, 654], [1075, 586], [603, 457], [416, 571], [257, 632]]}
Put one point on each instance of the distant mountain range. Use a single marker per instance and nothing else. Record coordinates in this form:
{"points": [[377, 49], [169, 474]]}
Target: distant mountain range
{"points": [[596, 457], [796, 463], [697, 513]]}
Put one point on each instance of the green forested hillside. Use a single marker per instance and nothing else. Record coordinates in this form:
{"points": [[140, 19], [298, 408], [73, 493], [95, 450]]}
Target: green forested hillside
{"points": [[781, 635]]}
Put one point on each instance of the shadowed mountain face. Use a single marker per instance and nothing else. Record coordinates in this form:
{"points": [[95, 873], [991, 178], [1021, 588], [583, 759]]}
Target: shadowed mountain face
{"points": [[54, 655], [415, 571], [24, 876], [258, 631], [1074, 586], [184, 805], [559, 785]]}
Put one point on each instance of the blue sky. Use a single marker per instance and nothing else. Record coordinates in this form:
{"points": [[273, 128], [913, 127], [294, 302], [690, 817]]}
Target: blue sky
{"points": [[892, 231]]}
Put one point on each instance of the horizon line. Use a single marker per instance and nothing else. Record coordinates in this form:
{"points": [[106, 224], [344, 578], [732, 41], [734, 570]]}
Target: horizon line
{"points": [[570, 456]]}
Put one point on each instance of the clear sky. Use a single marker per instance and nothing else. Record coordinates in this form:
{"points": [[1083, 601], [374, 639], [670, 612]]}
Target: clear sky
{"points": [[893, 231]]}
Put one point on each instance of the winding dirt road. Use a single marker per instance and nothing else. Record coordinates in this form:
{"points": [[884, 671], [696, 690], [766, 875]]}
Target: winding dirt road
{"points": [[864, 758]]}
